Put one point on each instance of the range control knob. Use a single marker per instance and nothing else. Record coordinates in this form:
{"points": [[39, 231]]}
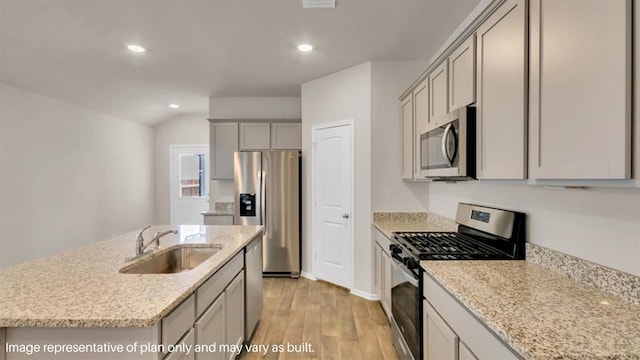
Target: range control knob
{"points": [[395, 249]]}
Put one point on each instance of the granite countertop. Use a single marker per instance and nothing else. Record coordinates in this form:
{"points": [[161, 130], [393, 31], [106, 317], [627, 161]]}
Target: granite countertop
{"points": [[540, 313], [389, 222], [84, 288], [216, 213]]}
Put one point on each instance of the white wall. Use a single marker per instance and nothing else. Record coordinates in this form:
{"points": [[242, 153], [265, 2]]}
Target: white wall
{"points": [[389, 79], [254, 108], [181, 130], [68, 176], [337, 97]]}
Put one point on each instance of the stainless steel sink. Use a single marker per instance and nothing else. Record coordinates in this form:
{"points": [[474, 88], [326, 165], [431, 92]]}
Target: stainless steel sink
{"points": [[177, 260]]}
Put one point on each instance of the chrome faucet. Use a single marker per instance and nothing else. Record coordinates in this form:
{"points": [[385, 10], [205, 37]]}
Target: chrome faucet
{"points": [[140, 245], [140, 241], [156, 238]]}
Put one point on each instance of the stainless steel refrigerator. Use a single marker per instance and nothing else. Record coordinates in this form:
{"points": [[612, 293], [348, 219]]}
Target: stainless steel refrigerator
{"points": [[267, 192]]}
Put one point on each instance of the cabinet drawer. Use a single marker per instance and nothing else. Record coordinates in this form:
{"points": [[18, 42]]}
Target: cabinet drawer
{"points": [[482, 342], [189, 340], [214, 286], [178, 322]]}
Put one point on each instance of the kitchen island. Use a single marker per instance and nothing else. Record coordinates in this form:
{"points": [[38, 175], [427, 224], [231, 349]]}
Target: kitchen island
{"points": [[81, 297]]}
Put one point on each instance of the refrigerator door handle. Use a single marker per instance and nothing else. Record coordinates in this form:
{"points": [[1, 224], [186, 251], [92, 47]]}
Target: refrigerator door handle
{"points": [[263, 201]]}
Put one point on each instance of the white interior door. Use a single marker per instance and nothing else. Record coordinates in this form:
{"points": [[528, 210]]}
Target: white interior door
{"points": [[333, 193], [189, 173]]}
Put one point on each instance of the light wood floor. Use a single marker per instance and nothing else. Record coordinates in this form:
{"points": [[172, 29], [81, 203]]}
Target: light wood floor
{"points": [[337, 325]]}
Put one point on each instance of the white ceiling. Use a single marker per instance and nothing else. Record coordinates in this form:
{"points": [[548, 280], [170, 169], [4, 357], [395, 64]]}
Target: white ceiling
{"points": [[74, 50]]}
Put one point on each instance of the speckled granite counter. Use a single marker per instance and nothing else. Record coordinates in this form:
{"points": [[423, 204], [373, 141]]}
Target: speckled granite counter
{"points": [[84, 288], [388, 222], [540, 313]]}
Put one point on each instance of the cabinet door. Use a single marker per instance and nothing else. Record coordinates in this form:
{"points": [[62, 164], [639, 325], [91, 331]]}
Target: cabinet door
{"points": [[234, 295], [386, 283], [439, 340], [224, 142], [211, 328], [406, 117], [421, 120], [502, 83], [438, 93], [255, 136], [378, 270], [286, 136], [462, 74], [464, 352], [580, 102], [189, 340]]}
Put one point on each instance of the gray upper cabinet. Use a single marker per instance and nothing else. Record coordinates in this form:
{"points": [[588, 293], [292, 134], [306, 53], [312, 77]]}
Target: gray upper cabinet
{"points": [[224, 142], [229, 137], [501, 119], [255, 136], [421, 122], [406, 119], [580, 103], [462, 74], [438, 93], [286, 136]]}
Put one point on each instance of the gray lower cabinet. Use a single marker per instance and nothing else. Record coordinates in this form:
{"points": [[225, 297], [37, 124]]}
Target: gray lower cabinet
{"points": [[214, 314], [383, 272], [189, 341], [464, 353], [440, 342], [452, 333], [210, 329], [234, 313], [178, 322]]}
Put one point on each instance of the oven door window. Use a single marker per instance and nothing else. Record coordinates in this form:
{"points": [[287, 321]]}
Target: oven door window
{"points": [[439, 147], [405, 305]]}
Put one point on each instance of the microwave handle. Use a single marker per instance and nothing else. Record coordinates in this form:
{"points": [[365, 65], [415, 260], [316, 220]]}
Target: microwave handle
{"points": [[445, 136]]}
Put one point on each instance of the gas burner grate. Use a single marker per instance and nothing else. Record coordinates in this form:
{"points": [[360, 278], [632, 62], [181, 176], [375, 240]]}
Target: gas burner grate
{"points": [[447, 246]]}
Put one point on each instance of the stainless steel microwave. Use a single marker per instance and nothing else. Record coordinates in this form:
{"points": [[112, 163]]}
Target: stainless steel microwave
{"points": [[448, 151]]}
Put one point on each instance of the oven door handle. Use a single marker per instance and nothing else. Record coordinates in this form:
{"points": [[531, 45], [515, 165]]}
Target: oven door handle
{"points": [[412, 277]]}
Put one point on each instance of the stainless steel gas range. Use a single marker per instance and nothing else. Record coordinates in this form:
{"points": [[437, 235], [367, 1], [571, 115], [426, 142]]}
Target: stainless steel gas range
{"points": [[484, 233]]}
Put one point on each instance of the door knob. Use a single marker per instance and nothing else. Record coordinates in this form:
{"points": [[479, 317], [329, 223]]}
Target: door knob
{"points": [[345, 216]]}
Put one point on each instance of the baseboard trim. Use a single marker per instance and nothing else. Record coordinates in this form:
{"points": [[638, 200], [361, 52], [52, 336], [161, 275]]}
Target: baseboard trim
{"points": [[307, 275], [365, 295]]}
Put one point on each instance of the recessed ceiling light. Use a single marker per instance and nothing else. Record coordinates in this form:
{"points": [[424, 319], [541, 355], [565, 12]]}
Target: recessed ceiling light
{"points": [[136, 48], [174, 106], [305, 47]]}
